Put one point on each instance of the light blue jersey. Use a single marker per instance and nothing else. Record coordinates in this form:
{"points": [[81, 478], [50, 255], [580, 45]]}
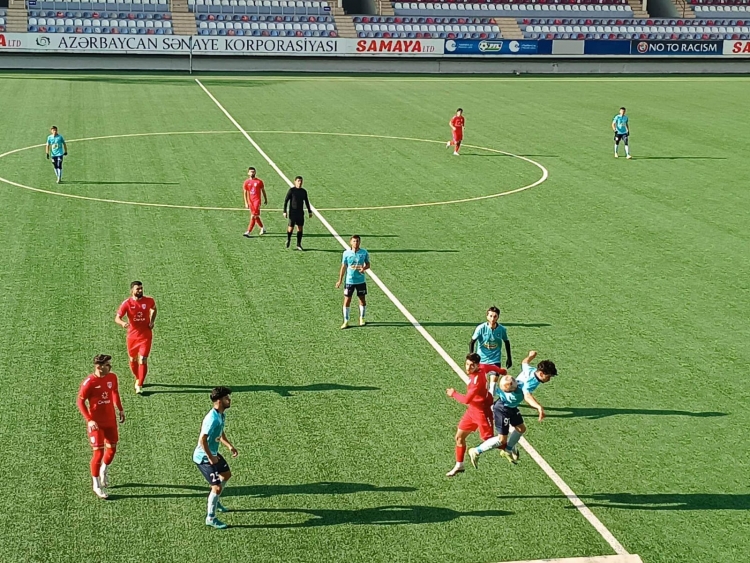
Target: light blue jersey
{"points": [[353, 260], [527, 379], [621, 124], [213, 427], [510, 400], [55, 143], [490, 342]]}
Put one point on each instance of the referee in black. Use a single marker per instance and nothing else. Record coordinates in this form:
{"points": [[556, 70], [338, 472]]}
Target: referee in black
{"points": [[296, 199]]}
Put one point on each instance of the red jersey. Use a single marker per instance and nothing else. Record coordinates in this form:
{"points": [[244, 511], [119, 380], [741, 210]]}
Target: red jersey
{"points": [[102, 395], [477, 394], [458, 121], [138, 312], [253, 188]]}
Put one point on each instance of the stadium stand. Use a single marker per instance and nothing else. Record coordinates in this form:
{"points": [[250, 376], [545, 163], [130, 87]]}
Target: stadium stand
{"points": [[688, 29], [427, 27], [3, 15], [266, 18], [732, 9], [135, 17], [505, 8]]}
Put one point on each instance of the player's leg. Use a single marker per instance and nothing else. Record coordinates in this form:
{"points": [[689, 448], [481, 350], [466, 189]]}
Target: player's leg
{"points": [[348, 292], [502, 425], [260, 222], [144, 349], [465, 427], [110, 448], [132, 344], [250, 225], [617, 145], [362, 294], [626, 139], [225, 476], [96, 439], [300, 227], [515, 419], [289, 229], [213, 474], [457, 144], [57, 163]]}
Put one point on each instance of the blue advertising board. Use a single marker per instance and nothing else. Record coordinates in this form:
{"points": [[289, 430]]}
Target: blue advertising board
{"points": [[606, 47], [684, 48], [491, 47]]}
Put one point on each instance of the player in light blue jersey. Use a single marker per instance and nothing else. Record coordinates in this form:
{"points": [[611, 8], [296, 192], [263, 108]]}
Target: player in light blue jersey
{"points": [[505, 410], [354, 263], [489, 337], [56, 148], [206, 456], [621, 127]]}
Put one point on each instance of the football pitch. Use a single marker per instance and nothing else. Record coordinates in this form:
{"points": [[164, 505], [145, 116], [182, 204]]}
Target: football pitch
{"points": [[632, 275]]}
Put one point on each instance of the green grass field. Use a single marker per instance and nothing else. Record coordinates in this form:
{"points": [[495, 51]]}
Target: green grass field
{"points": [[631, 275]]}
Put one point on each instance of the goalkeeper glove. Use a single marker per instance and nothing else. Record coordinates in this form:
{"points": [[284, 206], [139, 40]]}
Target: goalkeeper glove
{"points": [[65, 153], [47, 156]]}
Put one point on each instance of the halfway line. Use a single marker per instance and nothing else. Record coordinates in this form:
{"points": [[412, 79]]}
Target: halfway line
{"points": [[564, 488]]}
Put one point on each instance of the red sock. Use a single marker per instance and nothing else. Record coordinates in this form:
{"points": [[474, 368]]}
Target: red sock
{"points": [[96, 462], [142, 371], [134, 367], [109, 454], [260, 223], [251, 226], [460, 453]]}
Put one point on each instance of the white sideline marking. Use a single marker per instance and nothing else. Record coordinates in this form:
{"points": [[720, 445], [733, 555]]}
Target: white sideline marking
{"points": [[566, 490], [600, 559]]}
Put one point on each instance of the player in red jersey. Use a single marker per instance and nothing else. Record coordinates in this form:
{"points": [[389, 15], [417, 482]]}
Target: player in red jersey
{"points": [[478, 415], [100, 391], [457, 123], [141, 312], [253, 188]]}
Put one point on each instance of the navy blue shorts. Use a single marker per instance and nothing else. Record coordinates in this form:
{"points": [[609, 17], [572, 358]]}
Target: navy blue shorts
{"points": [[505, 417], [212, 472], [360, 288], [622, 137], [57, 161]]}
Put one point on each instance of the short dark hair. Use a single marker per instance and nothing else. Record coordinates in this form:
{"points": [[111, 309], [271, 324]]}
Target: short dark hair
{"points": [[547, 367], [356, 237], [460, 109], [251, 168], [53, 127], [101, 359], [219, 393], [134, 283], [297, 178], [494, 309], [473, 358], [623, 109]]}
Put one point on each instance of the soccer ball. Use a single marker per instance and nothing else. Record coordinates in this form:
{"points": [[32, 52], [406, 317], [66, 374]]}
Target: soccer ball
{"points": [[508, 383]]}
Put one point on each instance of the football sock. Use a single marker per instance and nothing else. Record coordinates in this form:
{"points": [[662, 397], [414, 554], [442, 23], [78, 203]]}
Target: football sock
{"points": [[346, 313], [460, 454], [513, 439], [299, 238], [362, 309], [96, 463], [616, 147], [213, 500], [251, 226], [288, 238], [488, 444], [627, 150], [96, 482], [259, 222], [109, 455], [134, 367], [142, 371]]}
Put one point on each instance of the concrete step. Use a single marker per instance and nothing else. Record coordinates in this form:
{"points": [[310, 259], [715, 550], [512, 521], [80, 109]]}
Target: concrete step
{"points": [[509, 28], [17, 20]]}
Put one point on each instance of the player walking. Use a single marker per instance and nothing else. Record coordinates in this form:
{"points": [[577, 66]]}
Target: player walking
{"points": [[457, 123], [101, 393], [621, 127], [489, 335], [141, 312], [56, 148], [354, 262], [296, 199], [253, 188], [505, 409], [477, 415], [206, 456]]}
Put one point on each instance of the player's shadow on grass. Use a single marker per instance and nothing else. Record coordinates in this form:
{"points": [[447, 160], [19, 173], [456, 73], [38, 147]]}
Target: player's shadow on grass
{"points": [[326, 235], [87, 183], [377, 516], [497, 155], [473, 324], [679, 158], [255, 491], [393, 251], [595, 413], [659, 501], [281, 390]]}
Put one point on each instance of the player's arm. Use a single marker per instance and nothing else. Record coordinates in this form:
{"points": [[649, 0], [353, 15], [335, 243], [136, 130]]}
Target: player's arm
{"points": [[263, 191], [341, 274], [530, 358], [366, 267], [65, 148], [287, 199], [246, 195], [613, 126], [152, 316], [509, 361], [529, 398], [46, 148], [307, 203], [120, 316], [228, 444], [81, 404], [118, 402], [471, 392], [212, 459]]}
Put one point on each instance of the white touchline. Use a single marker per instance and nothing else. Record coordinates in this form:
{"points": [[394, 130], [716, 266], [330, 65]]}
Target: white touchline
{"points": [[566, 490]]}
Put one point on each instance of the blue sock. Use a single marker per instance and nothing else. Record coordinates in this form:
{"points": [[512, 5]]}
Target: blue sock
{"points": [[513, 439]]}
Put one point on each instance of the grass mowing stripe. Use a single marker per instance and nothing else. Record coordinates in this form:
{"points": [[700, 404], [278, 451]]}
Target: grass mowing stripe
{"points": [[564, 488]]}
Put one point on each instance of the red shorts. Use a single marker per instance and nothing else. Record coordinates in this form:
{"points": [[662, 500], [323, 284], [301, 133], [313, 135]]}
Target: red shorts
{"points": [[139, 345], [103, 435], [475, 419], [255, 207], [458, 136]]}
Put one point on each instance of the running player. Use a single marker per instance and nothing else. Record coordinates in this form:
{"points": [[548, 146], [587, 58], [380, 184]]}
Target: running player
{"points": [[457, 123], [141, 312], [505, 409], [296, 199], [206, 456], [477, 415], [253, 188], [621, 127], [489, 335], [354, 262], [56, 148], [101, 393]]}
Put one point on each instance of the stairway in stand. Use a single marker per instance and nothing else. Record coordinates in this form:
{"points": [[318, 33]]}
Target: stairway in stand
{"points": [[509, 28], [183, 20], [343, 22], [17, 18], [638, 11]]}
